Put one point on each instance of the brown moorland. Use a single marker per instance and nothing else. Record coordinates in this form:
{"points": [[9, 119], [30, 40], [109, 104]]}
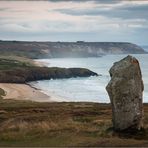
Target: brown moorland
{"points": [[26, 123]]}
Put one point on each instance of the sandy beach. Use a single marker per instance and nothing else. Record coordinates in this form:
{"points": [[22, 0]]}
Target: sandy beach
{"points": [[40, 63], [24, 92]]}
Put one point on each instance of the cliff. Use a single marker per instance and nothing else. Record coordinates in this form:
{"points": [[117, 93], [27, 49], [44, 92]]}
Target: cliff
{"points": [[12, 71], [23, 75], [66, 49]]}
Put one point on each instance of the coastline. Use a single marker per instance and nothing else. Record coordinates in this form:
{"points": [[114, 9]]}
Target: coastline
{"points": [[24, 92], [28, 91]]}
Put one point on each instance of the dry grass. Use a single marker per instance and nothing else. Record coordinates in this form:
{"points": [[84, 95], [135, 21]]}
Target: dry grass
{"points": [[18, 58], [24, 123]]}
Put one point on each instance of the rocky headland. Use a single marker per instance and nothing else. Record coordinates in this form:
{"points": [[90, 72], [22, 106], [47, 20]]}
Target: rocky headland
{"points": [[23, 75], [12, 71], [67, 49]]}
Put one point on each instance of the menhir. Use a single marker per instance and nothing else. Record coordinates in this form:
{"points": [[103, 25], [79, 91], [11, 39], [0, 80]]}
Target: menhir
{"points": [[125, 90]]}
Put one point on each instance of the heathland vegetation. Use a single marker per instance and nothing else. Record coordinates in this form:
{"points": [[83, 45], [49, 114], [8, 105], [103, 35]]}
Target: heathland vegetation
{"points": [[26, 123]]}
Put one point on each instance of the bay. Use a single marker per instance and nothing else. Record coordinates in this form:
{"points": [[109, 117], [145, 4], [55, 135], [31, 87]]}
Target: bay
{"points": [[90, 89]]}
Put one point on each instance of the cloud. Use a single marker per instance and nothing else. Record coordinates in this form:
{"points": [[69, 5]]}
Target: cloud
{"points": [[97, 20], [124, 10]]}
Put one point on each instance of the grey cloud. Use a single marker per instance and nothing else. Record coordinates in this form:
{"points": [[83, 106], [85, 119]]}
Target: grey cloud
{"points": [[95, 1], [135, 8], [81, 11], [13, 28], [3, 9], [108, 1], [123, 12]]}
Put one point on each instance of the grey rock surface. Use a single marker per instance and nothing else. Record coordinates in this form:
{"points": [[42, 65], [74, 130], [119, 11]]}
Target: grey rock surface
{"points": [[125, 90]]}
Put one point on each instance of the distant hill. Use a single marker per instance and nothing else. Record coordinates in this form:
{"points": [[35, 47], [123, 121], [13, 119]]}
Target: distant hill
{"points": [[67, 49], [145, 47]]}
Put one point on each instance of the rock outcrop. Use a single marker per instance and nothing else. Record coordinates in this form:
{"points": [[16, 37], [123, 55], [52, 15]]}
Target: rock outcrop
{"points": [[125, 90], [26, 74]]}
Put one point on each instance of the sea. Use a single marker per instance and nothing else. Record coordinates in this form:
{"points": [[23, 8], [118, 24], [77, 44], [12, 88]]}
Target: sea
{"points": [[87, 89]]}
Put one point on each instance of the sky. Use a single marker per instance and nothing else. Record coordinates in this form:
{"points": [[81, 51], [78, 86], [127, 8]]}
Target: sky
{"points": [[75, 20]]}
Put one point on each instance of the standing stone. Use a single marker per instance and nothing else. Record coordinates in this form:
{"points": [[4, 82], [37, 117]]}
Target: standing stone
{"points": [[125, 90]]}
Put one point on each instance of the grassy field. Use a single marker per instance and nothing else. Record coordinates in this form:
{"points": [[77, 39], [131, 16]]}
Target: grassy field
{"points": [[25, 123], [15, 60], [6, 64]]}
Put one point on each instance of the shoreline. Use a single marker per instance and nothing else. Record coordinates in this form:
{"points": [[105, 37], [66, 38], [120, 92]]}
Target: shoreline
{"points": [[53, 97], [24, 92], [27, 91]]}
